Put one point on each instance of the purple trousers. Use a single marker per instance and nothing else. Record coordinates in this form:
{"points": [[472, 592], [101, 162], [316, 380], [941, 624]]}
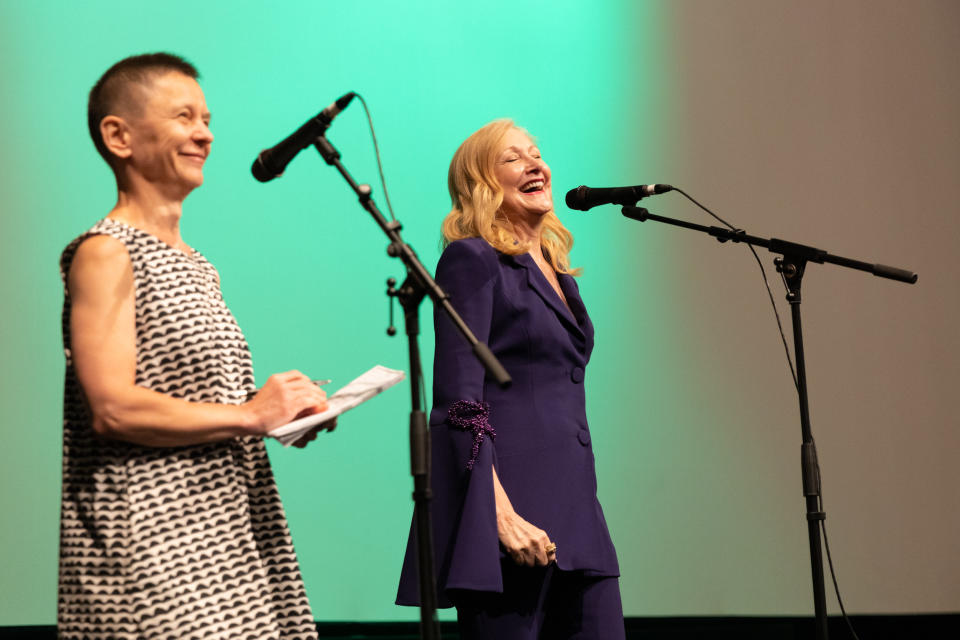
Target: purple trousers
{"points": [[542, 603]]}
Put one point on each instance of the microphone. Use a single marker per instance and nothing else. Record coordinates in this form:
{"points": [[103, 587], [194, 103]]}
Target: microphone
{"points": [[271, 162], [583, 198]]}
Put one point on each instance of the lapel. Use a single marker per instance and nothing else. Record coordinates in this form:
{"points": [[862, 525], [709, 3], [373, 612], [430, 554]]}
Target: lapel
{"points": [[538, 282]]}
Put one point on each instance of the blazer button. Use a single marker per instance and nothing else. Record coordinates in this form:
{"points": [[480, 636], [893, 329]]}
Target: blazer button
{"points": [[577, 375], [584, 437]]}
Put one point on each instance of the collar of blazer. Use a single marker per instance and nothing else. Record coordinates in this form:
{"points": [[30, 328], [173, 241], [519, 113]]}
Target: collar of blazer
{"points": [[538, 282]]}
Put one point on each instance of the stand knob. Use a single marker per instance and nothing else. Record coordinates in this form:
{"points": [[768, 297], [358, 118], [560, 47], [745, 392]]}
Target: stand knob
{"points": [[788, 269], [391, 294]]}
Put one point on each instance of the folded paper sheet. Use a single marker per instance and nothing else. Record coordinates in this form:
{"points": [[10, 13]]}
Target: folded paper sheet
{"points": [[353, 394]]}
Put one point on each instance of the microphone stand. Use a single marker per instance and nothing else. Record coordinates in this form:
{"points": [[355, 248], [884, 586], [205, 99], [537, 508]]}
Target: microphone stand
{"points": [[791, 264], [417, 284]]}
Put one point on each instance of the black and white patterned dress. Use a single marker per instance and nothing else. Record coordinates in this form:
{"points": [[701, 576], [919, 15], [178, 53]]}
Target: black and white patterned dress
{"points": [[182, 542]]}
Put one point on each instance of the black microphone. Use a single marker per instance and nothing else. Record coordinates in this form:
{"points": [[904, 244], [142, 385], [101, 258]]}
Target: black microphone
{"points": [[271, 162], [583, 198]]}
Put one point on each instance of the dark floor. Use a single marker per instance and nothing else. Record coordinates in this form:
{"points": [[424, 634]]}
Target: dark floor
{"points": [[888, 627]]}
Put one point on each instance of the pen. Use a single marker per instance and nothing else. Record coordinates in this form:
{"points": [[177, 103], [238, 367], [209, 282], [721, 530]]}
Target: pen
{"points": [[319, 383]]}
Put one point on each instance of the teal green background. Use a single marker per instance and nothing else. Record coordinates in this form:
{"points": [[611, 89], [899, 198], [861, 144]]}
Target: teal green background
{"points": [[303, 267]]}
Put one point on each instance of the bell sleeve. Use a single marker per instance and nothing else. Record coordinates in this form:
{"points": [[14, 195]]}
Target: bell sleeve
{"points": [[462, 426]]}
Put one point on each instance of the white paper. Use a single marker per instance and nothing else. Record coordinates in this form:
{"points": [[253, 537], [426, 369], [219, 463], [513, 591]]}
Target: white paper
{"points": [[355, 393]]}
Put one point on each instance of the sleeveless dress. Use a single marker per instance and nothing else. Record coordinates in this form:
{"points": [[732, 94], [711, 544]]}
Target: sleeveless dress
{"points": [[179, 542]]}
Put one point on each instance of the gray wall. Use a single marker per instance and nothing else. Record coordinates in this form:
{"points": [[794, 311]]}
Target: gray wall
{"points": [[834, 124]]}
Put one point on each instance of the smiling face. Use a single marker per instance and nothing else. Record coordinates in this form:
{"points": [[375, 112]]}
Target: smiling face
{"points": [[523, 176], [171, 138]]}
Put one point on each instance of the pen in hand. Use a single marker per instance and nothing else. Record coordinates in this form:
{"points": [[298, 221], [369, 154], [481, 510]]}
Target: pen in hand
{"points": [[319, 383]]}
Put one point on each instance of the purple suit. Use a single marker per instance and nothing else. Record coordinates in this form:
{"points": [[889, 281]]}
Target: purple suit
{"points": [[541, 449]]}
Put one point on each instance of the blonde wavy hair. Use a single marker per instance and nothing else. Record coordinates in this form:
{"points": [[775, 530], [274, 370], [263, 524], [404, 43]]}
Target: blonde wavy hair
{"points": [[476, 197]]}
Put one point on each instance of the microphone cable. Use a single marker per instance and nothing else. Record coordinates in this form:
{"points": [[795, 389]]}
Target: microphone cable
{"points": [[823, 522], [386, 198], [766, 283], [376, 151]]}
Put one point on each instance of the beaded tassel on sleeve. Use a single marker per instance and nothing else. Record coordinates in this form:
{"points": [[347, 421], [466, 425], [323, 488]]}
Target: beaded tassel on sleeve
{"points": [[473, 417]]}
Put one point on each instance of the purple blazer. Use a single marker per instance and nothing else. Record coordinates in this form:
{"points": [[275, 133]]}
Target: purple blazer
{"points": [[541, 447]]}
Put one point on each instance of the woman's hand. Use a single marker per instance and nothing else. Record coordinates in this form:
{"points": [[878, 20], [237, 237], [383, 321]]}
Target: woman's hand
{"points": [[285, 397], [311, 435], [527, 544]]}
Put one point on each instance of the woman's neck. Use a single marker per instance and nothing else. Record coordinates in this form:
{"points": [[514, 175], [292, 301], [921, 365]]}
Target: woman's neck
{"points": [[149, 211], [527, 229]]}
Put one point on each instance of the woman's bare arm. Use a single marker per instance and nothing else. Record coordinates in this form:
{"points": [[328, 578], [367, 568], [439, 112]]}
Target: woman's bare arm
{"points": [[103, 347]]}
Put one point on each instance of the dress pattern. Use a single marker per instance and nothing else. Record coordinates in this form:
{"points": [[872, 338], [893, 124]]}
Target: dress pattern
{"points": [[179, 542]]}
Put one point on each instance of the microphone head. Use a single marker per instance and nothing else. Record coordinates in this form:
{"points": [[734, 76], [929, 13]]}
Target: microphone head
{"points": [[577, 198], [260, 171]]}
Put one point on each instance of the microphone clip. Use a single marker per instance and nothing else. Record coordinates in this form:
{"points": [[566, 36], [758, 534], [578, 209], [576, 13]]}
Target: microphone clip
{"points": [[636, 213]]}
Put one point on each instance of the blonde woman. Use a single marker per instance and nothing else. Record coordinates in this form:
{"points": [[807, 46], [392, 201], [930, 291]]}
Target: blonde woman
{"points": [[522, 547]]}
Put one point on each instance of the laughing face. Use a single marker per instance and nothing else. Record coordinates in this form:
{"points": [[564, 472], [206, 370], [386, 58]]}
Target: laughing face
{"points": [[172, 137], [523, 176]]}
